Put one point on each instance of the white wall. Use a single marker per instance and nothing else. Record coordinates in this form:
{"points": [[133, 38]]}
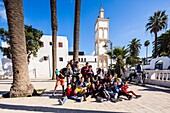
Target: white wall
{"points": [[103, 24], [89, 58], [102, 50], [165, 60], [38, 67]]}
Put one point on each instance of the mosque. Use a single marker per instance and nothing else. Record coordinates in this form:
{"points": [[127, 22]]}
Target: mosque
{"points": [[41, 66]]}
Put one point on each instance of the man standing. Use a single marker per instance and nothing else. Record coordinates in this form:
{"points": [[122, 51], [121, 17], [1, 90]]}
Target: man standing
{"points": [[139, 69]]}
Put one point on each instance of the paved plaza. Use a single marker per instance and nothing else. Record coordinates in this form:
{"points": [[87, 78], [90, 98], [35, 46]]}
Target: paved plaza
{"points": [[154, 99]]}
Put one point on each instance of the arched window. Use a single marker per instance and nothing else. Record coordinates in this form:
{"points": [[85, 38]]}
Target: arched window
{"points": [[100, 63], [100, 33], [159, 65], [105, 34], [169, 68]]}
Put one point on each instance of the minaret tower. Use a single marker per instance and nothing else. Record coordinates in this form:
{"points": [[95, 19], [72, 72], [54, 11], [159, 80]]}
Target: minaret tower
{"points": [[101, 38]]}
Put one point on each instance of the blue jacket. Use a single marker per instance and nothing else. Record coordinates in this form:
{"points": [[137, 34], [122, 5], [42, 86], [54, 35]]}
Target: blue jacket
{"points": [[115, 89]]}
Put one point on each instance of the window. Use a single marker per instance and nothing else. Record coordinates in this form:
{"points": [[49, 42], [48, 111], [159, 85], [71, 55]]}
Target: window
{"points": [[81, 59], [61, 59], [84, 59], [45, 58], [95, 60], [60, 44], [41, 44], [51, 43]]}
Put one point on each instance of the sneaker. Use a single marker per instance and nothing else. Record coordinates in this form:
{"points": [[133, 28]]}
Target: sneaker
{"points": [[98, 99], [138, 96], [53, 95], [114, 100], [60, 102], [119, 99], [85, 98], [129, 97], [101, 100], [81, 99]]}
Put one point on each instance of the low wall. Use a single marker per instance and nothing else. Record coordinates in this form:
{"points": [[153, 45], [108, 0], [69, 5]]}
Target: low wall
{"points": [[157, 77]]}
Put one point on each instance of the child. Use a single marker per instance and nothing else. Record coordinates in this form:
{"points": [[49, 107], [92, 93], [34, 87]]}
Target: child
{"points": [[125, 87], [81, 88], [69, 95], [115, 91], [120, 84]]}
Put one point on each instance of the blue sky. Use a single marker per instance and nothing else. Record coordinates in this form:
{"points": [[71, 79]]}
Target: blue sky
{"points": [[127, 19]]}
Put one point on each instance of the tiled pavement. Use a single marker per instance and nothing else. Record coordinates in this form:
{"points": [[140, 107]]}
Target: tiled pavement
{"points": [[154, 100]]}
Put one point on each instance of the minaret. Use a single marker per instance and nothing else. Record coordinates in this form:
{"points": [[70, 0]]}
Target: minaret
{"points": [[101, 38]]}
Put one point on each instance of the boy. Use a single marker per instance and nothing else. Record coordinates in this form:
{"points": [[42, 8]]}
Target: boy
{"points": [[125, 87], [69, 95], [65, 72]]}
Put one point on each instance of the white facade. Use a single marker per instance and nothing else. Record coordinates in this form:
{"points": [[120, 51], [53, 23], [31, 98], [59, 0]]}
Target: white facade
{"points": [[42, 67], [164, 61], [92, 60], [101, 38]]}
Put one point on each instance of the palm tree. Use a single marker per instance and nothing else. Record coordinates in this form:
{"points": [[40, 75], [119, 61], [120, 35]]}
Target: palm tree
{"points": [[119, 54], [156, 23], [130, 60], [54, 26], [134, 47], [146, 44], [21, 85], [76, 29], [164, 44]]}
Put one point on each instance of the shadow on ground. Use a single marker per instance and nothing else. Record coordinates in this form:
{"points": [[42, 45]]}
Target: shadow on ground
{"points": [[3, 92], [48, 109], [153, 88], [58, 94]]}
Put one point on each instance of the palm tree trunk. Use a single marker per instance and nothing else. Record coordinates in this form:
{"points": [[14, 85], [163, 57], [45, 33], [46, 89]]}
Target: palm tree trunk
{"points": [[155, 54], [76, 29], [54, 26], [21, 82]]}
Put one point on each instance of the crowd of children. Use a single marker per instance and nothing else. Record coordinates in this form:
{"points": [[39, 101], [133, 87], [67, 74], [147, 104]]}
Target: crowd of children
{"points": [[82, 83]]}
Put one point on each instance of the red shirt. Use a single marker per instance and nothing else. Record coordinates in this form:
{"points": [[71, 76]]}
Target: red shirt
{"points": [[124, 88], [69, 92], [83, 71]]}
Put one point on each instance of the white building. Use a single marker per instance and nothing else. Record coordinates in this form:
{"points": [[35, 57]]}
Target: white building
{"points": [[41, 66], [91, 59], [160, 63], [101, 38]]}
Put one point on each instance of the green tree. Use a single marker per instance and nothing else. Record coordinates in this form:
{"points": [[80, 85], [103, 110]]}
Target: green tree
{"points": [[54, 26], [119, 54], [76, 29], [146, 44], [156, 23], [164, 44], [33, 42], [134, 47], [130, 60], [21, 85]]}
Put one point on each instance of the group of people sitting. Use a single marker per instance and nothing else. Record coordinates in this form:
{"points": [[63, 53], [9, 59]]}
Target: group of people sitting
{"points": [[83, 83]]}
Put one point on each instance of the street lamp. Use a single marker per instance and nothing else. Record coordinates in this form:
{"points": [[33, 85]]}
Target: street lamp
{"points": [[110, 51]]}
